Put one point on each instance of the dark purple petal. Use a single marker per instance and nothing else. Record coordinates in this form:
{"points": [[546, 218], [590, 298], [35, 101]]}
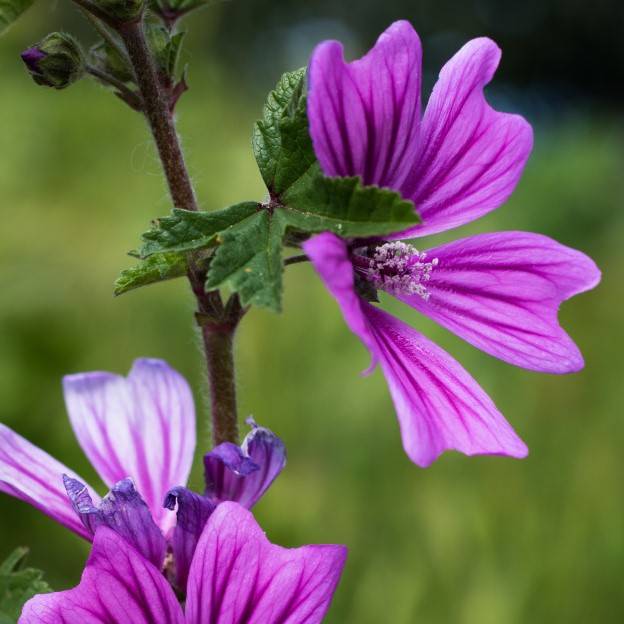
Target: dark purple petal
{"points": [[238, 576], [471, 156], [142, 427], [193, 511], [122, 510], [31, 58], [439, 406], [30, 474], [501, 292], [118, 586], [365, 115], [244, 473]]}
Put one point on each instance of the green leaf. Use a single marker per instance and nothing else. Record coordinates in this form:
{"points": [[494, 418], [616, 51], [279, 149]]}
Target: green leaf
{"points": [[249, 260], [186, 231], [281, 139], [346, 207], [156, 268], [173, 50], [10, 10], [17, 585]]}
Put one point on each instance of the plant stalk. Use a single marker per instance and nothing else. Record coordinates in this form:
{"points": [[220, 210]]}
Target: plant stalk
{"points": [[217, 322]]}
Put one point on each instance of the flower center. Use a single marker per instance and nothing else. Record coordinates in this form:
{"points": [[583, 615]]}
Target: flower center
{"points": [[397, 268]]}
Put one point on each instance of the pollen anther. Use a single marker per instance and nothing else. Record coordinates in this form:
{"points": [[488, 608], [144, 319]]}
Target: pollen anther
{"points": [[400, 269]]}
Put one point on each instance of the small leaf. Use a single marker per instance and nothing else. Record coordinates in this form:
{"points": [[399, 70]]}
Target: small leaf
{"points": [[18, 585], [173, 50], [346, 207], [249, 260], [156, 268], [281, 139], [186, 231], [10, 10]]}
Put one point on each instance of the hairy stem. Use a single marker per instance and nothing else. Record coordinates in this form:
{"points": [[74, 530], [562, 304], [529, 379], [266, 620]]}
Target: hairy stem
{"points": [[159, 116], [217, 322]]}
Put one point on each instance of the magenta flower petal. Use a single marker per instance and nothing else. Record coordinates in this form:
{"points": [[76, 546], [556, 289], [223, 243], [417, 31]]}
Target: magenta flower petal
{"points": [[238, 576], [117, 585], [142, 427], [242, 474], [471, 156], [193, 511], [30, 474], [125, 512], [365, 115], [501, 292], [439, 406]]}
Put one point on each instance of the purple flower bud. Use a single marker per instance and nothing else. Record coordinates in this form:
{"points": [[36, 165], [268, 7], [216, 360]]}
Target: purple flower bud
{"points": [[31, 58], [57, 61]]}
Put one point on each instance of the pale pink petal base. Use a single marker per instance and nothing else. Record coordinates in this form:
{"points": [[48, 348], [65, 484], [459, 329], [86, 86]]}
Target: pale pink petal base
{"points": [[142, 427]]}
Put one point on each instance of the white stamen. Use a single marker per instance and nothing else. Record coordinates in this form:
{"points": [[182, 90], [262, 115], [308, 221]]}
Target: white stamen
{"points": [[400, 269]]}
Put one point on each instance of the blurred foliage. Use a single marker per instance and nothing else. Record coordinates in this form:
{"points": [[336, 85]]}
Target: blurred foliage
{"points": [[485, 540]]}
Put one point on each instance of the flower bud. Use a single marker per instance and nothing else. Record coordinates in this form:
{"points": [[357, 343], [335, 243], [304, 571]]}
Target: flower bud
{"points": [[122, 10], [57, 61]]}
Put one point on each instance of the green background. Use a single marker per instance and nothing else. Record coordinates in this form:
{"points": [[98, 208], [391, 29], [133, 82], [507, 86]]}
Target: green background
{"points": [[469, 540]]}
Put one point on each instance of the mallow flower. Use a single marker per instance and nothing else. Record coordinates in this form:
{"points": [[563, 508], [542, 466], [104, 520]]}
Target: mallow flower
{"points": [[237, 577], [139, 434], [456, 162]]}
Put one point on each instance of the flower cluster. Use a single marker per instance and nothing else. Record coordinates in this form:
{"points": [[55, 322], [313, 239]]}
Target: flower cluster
{"points": [[139, 434]]}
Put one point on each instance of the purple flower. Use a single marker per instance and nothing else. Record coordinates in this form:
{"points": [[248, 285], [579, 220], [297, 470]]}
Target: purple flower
{"points": [[139, 434], [237, 576], [500, 292]]}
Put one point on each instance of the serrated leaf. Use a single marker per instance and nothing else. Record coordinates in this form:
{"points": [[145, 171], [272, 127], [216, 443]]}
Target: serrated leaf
{"points": [[186, 231], [346, 207], [281, 139], [249, 260], [156, 268], [18, 585]]}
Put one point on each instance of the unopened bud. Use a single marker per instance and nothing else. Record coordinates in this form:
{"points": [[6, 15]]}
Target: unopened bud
{"points": [[57, 61], [122, 10]]}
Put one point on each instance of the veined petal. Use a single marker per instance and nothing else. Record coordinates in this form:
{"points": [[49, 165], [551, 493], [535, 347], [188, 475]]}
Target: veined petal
{"points": [[239, 577], [193, 511], [471, 156], [142, 427], [501, 292], [30, 474], [242, 474], [439, 405], [118, 585], [122, 510], [365, 115]]}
